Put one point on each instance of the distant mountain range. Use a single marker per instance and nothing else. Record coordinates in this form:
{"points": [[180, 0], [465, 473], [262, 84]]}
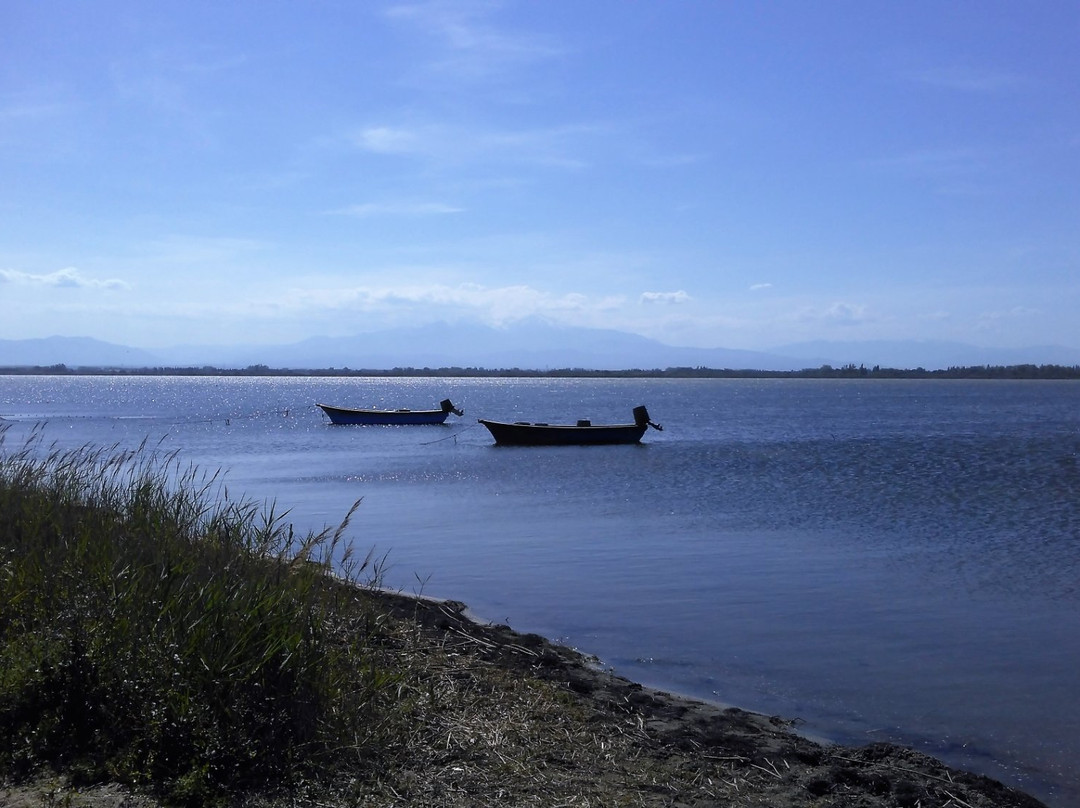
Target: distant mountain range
{"points": [[73, 352], [533, 346]]}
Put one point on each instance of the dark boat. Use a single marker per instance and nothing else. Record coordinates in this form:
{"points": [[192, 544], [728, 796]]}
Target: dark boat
{"points": [[583, 433], [343, 415]]}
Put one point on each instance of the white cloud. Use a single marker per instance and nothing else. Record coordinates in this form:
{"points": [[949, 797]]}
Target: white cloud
{"points": [[673, 298], [67, 278], [492, 305], [759, 286]]}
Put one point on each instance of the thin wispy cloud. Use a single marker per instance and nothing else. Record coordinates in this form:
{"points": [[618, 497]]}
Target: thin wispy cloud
{"points": [[550, 145], [200, 249], [960, 173], [990, 320], [469, 42], [935, 316], [757, 287], [966, 79], [371, 209], [934, 161], [30, 109], [169, 86], [39, 121], [395, 140], [680, 160], [556, 146], [159, 91], [67, 278], [839, 313]]}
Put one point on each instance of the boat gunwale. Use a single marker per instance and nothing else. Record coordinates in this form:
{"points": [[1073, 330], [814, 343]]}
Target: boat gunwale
{"points": [[361, 411], [353, 416]]}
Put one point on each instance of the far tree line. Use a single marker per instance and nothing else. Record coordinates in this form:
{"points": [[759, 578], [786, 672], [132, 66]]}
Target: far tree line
{"points": [[849, 371]]}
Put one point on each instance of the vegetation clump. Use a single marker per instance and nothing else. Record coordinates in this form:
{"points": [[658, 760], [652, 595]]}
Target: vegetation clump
{"points": [[156, 633]]}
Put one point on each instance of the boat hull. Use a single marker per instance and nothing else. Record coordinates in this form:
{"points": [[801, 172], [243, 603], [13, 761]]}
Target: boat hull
{"points": [[524, 434], [342, 416]]}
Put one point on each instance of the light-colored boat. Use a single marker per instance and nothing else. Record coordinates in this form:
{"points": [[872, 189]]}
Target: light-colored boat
{"points": [[342, 416]]}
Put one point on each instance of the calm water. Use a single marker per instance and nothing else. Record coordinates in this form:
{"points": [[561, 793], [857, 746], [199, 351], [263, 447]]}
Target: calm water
{"points": [[884, 560]]}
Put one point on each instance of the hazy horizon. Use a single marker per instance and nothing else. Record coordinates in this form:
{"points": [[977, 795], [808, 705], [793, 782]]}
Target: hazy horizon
{"points": [[533, 346]]}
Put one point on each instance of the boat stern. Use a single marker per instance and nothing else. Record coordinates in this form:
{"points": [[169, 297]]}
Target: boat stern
{"points": [[448, 407], [641, 418]]}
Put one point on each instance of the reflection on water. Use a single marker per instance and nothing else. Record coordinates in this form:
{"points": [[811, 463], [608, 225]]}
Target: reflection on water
{"points": [[885, 560]]}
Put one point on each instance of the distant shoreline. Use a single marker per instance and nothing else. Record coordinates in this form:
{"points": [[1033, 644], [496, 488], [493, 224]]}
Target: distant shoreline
{"points": [[825, 372], [1041, 372]]}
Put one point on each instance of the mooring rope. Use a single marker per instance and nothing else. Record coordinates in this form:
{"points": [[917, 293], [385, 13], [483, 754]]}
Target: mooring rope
{"points": [[228, 419], [448, 437]]}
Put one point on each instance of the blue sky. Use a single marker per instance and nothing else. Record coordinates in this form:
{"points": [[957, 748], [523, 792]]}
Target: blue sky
{"points": [[714, 174]]}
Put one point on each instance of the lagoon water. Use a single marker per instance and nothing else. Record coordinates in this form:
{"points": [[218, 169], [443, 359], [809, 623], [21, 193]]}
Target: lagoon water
{"points": [[883, 560]]}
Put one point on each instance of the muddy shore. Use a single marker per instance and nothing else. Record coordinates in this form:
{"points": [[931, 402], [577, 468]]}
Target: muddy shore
{"points": [[776, 765]]}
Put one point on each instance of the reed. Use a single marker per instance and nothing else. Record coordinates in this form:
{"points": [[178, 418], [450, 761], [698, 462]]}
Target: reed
{"points": [[156, 631]]}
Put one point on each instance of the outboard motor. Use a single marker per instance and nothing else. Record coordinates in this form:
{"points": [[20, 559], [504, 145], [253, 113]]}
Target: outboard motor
{"points": [[641, 418], [448, 406]]}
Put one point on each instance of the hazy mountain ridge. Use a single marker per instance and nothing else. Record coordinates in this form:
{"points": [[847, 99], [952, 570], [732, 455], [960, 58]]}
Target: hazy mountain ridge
{"points": [[532, 345], [72, 351]]}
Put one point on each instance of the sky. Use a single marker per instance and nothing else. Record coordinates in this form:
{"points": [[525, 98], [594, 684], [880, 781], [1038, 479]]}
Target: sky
{"points": [[709, 174]]}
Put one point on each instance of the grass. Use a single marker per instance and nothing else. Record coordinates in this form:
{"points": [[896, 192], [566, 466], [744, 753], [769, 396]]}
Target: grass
{"points": [[156, 632]]}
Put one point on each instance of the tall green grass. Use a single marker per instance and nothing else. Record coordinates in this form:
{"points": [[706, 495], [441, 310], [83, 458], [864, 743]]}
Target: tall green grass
{"points": [[155, 631]]}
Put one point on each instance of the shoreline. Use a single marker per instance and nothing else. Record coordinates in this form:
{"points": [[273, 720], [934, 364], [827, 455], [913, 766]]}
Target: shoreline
{"points": [[802, 769]]}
